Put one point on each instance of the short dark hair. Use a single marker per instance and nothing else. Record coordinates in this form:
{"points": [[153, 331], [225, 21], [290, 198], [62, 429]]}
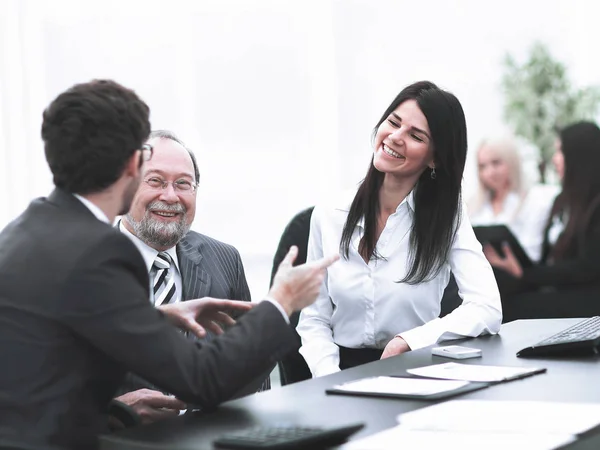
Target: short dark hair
{"points": [[166, 134], [90, 131], [438, 200]]}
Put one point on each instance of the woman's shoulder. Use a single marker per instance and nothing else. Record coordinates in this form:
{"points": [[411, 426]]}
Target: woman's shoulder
{"points": [[334, 207]]}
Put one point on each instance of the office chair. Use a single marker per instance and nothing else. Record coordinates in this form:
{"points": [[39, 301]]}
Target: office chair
{"points": [[293, 368]]}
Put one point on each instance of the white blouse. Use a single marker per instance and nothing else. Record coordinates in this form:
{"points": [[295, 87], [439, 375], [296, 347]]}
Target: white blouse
{"points": [[361, 305], [527, 219]]}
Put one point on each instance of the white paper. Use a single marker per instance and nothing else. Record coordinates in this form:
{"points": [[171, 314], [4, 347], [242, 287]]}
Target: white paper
{"points": [[470, 372], [401, 438], [489, 416], [402, 386]]}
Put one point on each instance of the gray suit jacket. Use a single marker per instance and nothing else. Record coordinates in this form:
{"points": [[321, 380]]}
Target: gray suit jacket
{"points": [[209, 268]]}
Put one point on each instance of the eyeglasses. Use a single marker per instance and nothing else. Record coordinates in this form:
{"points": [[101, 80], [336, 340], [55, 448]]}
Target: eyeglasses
{"points": [[182, 186], [147, 151]]}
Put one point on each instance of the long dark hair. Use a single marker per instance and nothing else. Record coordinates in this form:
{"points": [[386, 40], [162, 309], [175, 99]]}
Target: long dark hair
{"points": [[437, 201], [580, 194]]}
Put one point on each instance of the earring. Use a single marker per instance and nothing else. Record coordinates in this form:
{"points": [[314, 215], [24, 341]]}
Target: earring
{"points": [[433, 174]]}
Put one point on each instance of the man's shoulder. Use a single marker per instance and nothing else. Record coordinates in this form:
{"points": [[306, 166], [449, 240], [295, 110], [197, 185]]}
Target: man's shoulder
{"points": [[195, 239], [48, 236], [58, 226]]}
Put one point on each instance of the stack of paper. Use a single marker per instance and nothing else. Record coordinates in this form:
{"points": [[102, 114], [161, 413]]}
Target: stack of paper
{"points": [[401, 438], [401, 386], [505, 417], [476, 424], [474, 372]]}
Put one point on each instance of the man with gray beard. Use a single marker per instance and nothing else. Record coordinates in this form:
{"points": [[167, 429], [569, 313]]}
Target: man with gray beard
{"points": [[182, 264]]}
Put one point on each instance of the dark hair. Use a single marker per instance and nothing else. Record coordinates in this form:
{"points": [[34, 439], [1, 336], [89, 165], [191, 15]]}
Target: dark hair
{"points": [[166, 134], [580, 194], [90, 132], [437, 201]]}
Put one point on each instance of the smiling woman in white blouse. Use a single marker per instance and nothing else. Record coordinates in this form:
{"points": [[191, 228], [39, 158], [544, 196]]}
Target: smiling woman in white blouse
{"points": [[400, 235]]}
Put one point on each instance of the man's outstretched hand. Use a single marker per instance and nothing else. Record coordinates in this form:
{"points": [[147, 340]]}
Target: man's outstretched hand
{"points": [[297, 287], [293, 288], [198, 316]]}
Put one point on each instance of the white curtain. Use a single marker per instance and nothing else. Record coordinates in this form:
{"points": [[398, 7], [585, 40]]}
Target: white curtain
{"points": [[277, 98]]}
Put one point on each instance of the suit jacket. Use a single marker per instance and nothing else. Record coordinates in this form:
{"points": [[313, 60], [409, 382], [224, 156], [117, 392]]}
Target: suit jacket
{"points": [[75, 316], [579, 268], [209, 268], [568, 287]]}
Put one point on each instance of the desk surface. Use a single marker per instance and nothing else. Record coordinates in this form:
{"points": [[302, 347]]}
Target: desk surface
{"points": [[305, 403]]}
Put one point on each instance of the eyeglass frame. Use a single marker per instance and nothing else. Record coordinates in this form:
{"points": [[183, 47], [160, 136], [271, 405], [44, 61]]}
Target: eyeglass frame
{"points": [[147, 149], [165, 183]]}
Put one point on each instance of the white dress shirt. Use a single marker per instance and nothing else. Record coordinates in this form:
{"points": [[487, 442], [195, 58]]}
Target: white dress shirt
{"points": [[149, 254], [526, 218], [361, 305], [93, 208], [557, 226]]}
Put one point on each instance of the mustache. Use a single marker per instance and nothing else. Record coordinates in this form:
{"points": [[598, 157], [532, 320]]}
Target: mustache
{"points": [[162, 206]]}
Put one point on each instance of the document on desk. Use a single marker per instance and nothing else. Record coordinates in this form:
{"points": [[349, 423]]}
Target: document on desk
{"points": [[474, 372], [466, 424], [491, 416], [402, 438], [401, 386]]}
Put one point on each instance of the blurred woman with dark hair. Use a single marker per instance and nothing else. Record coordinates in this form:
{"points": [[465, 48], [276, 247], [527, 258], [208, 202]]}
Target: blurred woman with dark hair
{"points": [[567, 281], [400, 236]]}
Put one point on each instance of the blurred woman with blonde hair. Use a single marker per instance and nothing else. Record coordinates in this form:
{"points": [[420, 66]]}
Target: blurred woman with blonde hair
{"points": [[505, 198]]}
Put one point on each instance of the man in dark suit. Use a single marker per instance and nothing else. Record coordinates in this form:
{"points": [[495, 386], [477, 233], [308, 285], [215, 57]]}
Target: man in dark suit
{"points": [[202, 266], [74, 310]]}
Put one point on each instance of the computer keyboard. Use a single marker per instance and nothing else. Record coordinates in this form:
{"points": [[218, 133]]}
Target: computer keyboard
{"points": [[581, 338], [286, 437]]}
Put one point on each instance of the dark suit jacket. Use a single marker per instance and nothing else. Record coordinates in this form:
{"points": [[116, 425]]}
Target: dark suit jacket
{"points": [[569, 287], [209, 268], [75, 316]]}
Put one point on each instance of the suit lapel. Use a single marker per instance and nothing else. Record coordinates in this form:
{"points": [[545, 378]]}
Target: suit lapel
{"points": [[194, 279]]}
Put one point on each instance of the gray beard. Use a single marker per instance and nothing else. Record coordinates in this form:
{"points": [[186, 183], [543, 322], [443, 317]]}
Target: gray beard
{"points": [[159, 234]]}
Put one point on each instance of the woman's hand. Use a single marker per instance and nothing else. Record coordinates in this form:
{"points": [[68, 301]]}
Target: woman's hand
{"points": [[396, 346], [509, 263]]}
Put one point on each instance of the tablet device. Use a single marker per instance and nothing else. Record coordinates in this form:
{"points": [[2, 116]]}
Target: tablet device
{"points": [[498, 234]]}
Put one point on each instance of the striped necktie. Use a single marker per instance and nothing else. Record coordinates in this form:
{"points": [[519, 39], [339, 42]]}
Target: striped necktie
{"points": [[164, 279]]}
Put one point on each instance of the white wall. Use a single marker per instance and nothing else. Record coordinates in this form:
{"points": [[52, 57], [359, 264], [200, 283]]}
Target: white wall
{"points": [[277, 98]]}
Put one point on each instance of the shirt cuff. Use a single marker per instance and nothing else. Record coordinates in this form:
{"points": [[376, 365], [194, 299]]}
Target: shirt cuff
{"points": [[279, 307], [415, 338], [326, 369]]}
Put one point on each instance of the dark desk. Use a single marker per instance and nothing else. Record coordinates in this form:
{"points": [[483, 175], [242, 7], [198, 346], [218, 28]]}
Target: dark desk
{"points": [[567, 379]]}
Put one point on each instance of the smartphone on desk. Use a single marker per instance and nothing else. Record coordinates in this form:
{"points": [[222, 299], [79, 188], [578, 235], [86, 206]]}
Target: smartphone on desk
{"points": [[456, 352]]}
